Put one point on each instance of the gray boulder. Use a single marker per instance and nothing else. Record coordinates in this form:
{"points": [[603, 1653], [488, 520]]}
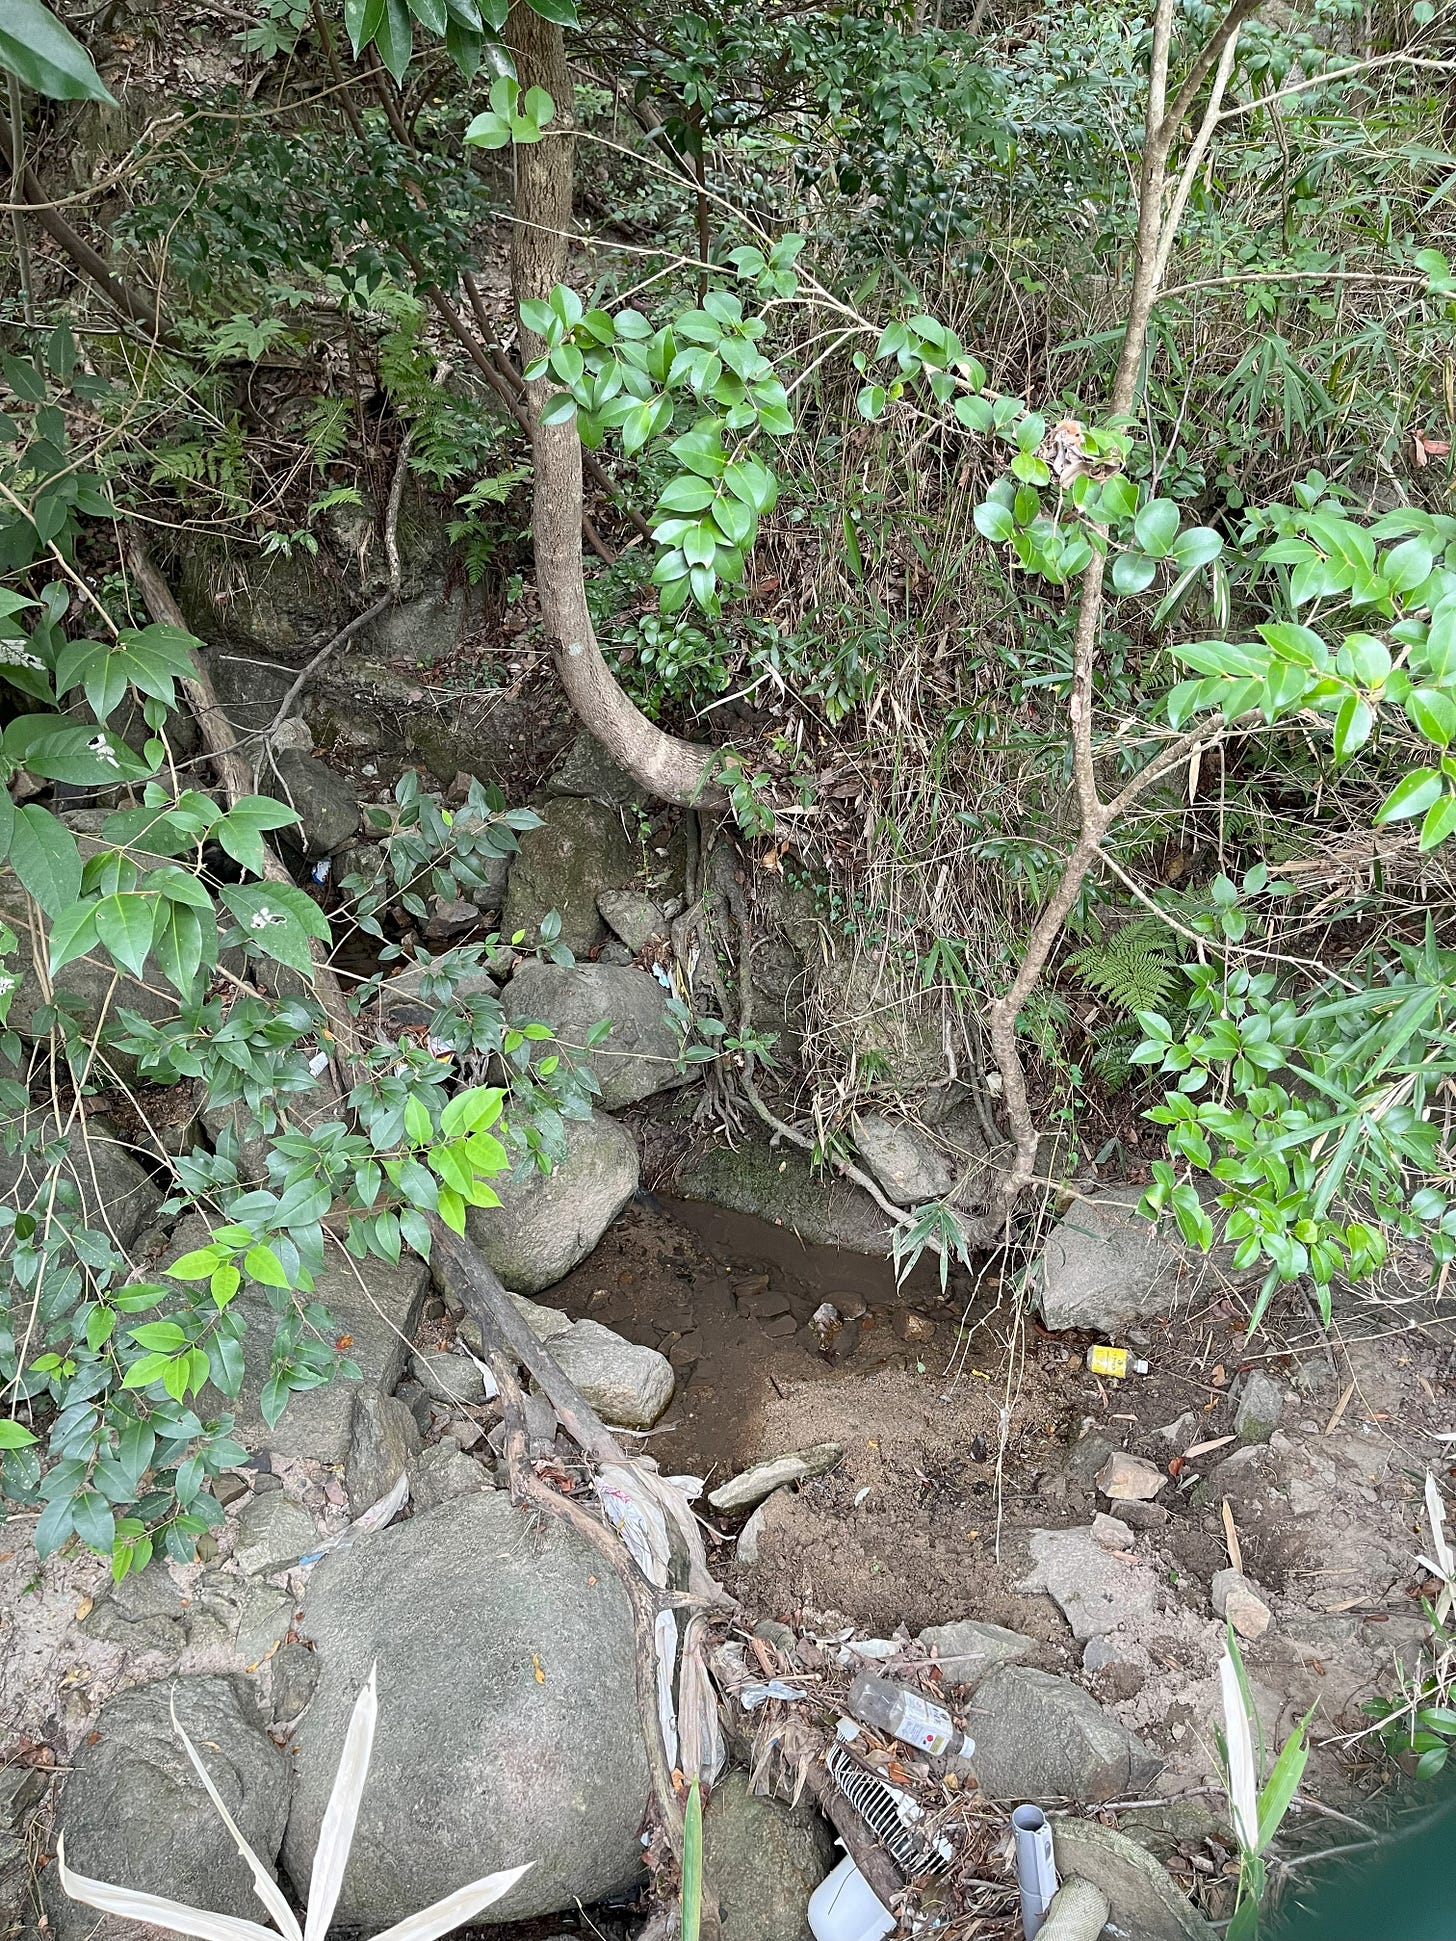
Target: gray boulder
{"points": [[1143, 1900], [1261, 1408], [763, 1860], [488, 1766], [1039, 1737], [379, 1316], [777, 1183], [544, 1226], [1103, 1266], [144, 1612], [639, 1055], [326, 805], [446, 1377], [635, 918], [628, 1385], [273, 1532], [114, 1193], [587, 769], [904, 1161], [134, 1812], [443, 1472], [579, 850], [383, 1440], [969, 1651], [295, 1677]]}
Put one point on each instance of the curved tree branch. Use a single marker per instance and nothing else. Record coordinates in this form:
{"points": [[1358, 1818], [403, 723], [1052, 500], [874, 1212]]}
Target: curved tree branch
{"points": [[675, 770]]}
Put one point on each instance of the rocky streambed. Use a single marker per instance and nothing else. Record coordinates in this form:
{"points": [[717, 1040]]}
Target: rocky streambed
{"points": [[1046, 1552]]}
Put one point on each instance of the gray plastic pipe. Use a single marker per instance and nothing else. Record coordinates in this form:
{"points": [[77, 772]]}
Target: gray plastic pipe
{"points": [[1036, 1867], [1078, 1913]]}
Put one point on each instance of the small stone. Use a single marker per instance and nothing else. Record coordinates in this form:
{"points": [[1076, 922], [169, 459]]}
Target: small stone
{"points": [[763, 1306], [910, 1326], [1111, 1532], [452, 918], [442, 1473], [1260, 1410], [781, 1326], [263, 1623], [1140, 1516], [751, 1535], [971, 1650], [627, 1384], [273, 1532], [753, 1485], [295, 1674], [782, 1636], [1236, 1599], [1087, 1456], [635, 918], [1041, 1737], [448, 1378], [229, 1487], [1180, 1429], [383, 1440], [1128, 1478], [143, 1612]]}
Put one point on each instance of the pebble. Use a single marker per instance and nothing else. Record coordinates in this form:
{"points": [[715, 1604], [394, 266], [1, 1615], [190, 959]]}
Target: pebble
{"points": [[1129, 1478], [1111, 1532], [1236, 1599]]}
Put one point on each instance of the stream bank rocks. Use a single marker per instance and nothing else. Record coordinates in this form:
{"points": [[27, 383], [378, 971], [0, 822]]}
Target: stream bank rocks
{"points": [[133, 1812], [544, 1226], [1040, 1737], [1103, 1266], [479, 1762], [579, 850], [375, 1302], [638, 1057], [764, 1860]]}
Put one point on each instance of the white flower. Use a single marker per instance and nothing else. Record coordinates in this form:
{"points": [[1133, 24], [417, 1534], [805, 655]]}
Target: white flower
{"points": [[101, 748]]}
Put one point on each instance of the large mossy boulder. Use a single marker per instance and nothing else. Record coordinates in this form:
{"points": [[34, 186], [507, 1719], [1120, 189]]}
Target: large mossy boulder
{"points": [[545, 1225], [778, 1184], [375, 1303], [638, 1057], [508, 1727], [579, 850], [134, 1812]]}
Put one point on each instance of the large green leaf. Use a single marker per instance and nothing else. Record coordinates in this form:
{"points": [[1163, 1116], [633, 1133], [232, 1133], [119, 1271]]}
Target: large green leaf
{"points": [[278, 919], [46, 56], [44, 856]]}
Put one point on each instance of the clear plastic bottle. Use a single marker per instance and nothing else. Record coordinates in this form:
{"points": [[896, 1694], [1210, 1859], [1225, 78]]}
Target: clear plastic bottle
{"points": [[906, 1715]]}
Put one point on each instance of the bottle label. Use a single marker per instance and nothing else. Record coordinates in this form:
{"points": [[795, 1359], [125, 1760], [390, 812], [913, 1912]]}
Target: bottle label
{"points": [[1103, 1360], [923, 1724]]}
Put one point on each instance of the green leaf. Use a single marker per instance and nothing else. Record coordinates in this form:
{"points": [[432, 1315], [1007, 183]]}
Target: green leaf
{"points": [[1407, 566], [72, 934], [1439, 823], [1433, 713], [686, 494], [277, 919], [199, 1265], [1155, 527], [124, 924], [1352, 727], [261, 1264], [1412, 796], [995, 522], [1133, 572], [561, 13], [1196, 547], [44, 856], [14, 1435], [433, 15], [1282, 1784], [46, 56], [362, 18]]}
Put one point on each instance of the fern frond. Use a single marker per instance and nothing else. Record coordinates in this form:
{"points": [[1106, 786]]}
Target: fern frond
{"points": [[1133, 968]]}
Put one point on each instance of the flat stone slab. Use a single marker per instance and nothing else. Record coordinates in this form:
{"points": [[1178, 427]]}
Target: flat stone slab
{"points": [[742, 1492]]}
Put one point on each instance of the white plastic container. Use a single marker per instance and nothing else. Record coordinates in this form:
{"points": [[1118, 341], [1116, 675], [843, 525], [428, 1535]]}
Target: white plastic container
{"points": [[844, 1907]]}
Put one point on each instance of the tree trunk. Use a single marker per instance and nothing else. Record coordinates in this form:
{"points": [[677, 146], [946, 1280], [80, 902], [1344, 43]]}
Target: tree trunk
{"points": [[677, 771]]}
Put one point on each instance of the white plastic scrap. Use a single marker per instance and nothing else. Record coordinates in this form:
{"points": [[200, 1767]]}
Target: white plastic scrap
{"points": [[750, 1697], [374, 1518]]}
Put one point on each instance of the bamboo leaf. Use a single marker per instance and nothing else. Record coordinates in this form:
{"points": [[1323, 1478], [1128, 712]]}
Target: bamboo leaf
{"points": [[336, 1835]]}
